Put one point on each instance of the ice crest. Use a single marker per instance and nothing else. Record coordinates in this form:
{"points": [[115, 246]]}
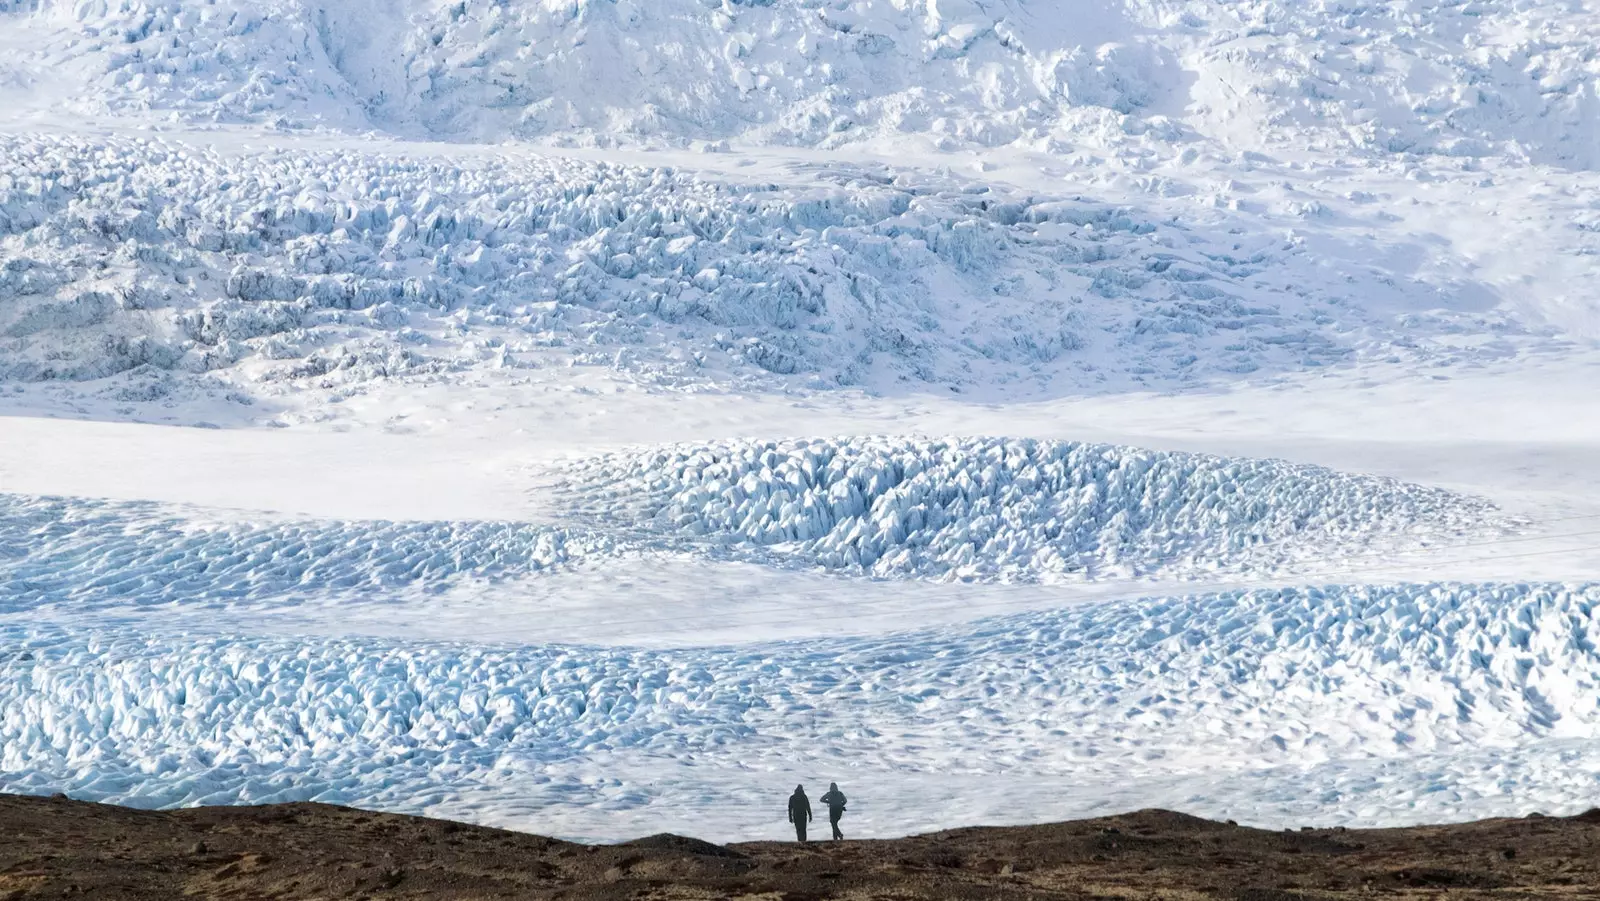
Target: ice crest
{"points": [[1014, 509]]}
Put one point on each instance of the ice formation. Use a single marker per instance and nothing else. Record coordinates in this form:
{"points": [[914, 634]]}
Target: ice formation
{"points": [[1301, 676], [974, 510], [1435, 77], [940, 203], [77, 555], [265, 273], [1007, 509]]}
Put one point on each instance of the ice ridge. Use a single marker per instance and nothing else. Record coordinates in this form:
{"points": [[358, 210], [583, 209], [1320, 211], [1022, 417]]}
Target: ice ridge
{"points": [[78, 555], [993, 508]]}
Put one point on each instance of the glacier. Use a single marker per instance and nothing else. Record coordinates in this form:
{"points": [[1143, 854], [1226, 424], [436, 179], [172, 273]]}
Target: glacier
{"points": [[1014, 509], [1437, 78], [959, 510], [595, 416], [150, 271], [1308, 678], [75, 555]]}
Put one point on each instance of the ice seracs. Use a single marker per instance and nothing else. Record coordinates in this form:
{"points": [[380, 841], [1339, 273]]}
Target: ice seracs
{"points": [[904, 508], [1353, 693], [804, 217], [1014, 509], [76, 555], [147, 269], [1135, 77]]}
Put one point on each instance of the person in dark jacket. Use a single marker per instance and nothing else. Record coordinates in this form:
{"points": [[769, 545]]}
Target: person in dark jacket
{"points": [[835, 801], [799, 811]]}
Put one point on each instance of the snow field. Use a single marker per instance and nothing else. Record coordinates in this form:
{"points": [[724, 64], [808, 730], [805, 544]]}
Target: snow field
{"points": [[1013, 509], [1165, 689], [290, 273]]}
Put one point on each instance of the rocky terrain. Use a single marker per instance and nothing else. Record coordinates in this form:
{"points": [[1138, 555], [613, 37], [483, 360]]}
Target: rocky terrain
{"points": [[56, 847]]}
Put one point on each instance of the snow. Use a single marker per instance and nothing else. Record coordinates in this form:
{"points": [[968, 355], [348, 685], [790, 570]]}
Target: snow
{"points": [[526, 411], [1437, 77]]}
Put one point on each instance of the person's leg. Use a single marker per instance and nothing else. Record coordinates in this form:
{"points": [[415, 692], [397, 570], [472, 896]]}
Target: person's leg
{"points": [[836, 833], [800, 830]]}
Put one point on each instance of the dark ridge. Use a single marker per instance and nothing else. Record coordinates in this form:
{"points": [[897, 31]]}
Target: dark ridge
{"points": [[683, 844], [55, 847]]}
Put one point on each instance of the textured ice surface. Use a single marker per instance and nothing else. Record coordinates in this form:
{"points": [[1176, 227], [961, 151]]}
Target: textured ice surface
{"points": [[77, 555], [1434, 76], [975, 509], [1012, 509], [985, 200], [262, 273], [1161, 689]]}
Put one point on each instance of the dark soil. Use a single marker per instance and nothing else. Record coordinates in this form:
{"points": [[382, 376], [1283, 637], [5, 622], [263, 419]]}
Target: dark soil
{"points": [[53, 847]]}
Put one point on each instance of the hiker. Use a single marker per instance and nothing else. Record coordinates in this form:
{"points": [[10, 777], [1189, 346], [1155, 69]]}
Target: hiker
{"points": [[799, 811], [835, 801]]}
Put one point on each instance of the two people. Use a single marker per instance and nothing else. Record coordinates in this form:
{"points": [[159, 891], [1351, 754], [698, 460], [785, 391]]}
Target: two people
{"points": [[800, 810]]}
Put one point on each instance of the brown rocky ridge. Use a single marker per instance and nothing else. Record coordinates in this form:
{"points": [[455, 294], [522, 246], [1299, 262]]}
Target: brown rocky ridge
{"points": [[55, 847]]}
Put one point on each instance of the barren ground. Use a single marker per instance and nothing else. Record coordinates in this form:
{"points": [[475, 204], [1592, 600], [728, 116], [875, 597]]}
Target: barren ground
{"points": [[54, 847]]}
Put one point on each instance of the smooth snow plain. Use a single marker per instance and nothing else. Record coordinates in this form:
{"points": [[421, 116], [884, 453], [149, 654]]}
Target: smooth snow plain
{"points": [[595, 417]]}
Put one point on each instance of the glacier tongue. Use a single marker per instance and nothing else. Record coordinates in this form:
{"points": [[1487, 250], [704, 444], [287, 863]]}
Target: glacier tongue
{"points": [[75, 556], [1178, 691], [1013, 509], [904, 508]]}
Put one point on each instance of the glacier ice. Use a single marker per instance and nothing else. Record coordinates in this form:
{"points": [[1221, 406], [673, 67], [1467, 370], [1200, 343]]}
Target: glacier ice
{"points": [[1438, 77], [1012, 509], [956, 509], [1153, 688], [262, 273], [228, 200], [80, 555]]}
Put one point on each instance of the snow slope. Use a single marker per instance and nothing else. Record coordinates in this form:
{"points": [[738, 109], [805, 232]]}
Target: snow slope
{"points": [[1432, 77]]}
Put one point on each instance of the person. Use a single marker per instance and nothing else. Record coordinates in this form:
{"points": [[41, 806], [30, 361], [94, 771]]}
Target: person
{"points": [[835, 801], [799, 811]]}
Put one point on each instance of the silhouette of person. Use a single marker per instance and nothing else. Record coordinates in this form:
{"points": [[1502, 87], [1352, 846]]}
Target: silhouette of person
{"points": [[799, 811], [835, 801]]}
